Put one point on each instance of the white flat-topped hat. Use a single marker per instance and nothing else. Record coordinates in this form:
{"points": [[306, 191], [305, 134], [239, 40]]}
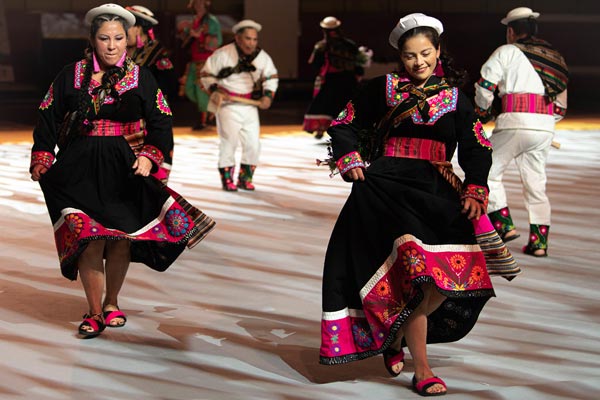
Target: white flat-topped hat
{"points": [[412, 21], [330, 23], [246, 23], [519, 13], [143, 13], [112, 9]]}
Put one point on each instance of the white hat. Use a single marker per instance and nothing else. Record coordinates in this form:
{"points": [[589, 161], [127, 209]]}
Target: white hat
{"points": [[519, 13], [112, 9], [246, 23], [330, 23], [412, 21], [143, 13]]}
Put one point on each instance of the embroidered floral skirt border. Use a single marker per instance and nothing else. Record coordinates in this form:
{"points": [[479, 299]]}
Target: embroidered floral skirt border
{"points": [[92, 194], [399, 229]]}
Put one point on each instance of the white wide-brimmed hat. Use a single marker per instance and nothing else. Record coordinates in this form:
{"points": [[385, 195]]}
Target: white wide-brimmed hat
{"points": [[330, 23], [112, 9], [143, 13], [246, 23], [412, 21], [519, 13]]}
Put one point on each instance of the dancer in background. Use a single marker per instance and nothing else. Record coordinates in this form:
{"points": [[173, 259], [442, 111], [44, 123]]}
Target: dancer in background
{"points": [[202, 38], [531, 78], [146, 51], [339, 63], [238, 72]]}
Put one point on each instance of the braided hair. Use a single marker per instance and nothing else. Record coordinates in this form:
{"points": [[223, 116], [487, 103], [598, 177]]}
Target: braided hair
{"points": [[109, 78]]}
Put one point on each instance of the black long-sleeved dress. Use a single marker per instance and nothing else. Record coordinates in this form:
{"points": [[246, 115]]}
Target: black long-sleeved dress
{"points": [[402, 226], [90, 189]]}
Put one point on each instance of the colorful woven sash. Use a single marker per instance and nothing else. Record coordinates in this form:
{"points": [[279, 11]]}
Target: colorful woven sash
{"points": [[106, 127], [527, 103], [422, 149]]}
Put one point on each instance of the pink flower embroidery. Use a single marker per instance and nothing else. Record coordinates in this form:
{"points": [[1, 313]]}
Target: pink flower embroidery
{"points": [[346, 116], [161, 103], [480, 135], [48, 98]]}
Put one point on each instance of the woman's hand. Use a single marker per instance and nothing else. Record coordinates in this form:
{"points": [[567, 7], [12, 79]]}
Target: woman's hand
{"points": [[355, 174], [473, 208], [37, 172], [142, 166]]}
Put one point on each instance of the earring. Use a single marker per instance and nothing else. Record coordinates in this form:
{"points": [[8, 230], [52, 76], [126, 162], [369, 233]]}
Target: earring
{"points": [[439, 71], [95, 61], [138, 41]]}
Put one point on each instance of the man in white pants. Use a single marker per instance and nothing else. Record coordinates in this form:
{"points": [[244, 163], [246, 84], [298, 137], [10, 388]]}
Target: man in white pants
{"points": [[240, 70], [531, 79]]}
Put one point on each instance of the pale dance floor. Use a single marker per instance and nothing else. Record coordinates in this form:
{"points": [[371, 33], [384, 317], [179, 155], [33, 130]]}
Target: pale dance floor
{"points": [[238, 316]]}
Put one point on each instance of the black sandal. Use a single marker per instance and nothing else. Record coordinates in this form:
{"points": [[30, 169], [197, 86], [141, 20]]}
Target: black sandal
{"points": [[531, 251], [94, 321], [507, 239]]}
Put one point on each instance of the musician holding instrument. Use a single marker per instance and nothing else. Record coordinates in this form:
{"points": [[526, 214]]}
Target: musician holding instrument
{"points": [[240, 77]]}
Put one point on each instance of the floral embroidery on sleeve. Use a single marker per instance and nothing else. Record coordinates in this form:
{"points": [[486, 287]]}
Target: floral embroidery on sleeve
{"points": [[152, 153], [48, 98], [161, 103], [479, 193], [164, 64], [42, 158], [349, 161], [346, 116], [480, 135]]}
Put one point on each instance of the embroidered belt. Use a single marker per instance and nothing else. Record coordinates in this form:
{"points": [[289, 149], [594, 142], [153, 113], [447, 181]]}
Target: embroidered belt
{"points": [[527, 103], [423, 149], [106, 127], [234, 94]]}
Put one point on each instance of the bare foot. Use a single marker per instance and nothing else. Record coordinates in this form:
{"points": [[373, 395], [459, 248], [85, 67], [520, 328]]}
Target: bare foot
{"points": [[510, 235]]}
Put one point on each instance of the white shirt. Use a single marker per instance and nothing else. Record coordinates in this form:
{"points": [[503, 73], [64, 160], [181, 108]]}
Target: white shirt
{"points": [[511, 70], [240, 83]]}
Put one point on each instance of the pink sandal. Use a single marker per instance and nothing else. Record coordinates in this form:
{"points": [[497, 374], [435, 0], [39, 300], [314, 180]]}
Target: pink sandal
{"points": [[93, 321], [421, 387], [392, 357], [111, 315]]}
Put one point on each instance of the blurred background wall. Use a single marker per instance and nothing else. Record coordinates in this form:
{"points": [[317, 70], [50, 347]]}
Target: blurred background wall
{"points": [[39, 37]]}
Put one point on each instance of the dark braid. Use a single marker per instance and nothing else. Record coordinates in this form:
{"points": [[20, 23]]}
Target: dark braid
{"points": [[453, 75], [83, 102], [110, 78]]}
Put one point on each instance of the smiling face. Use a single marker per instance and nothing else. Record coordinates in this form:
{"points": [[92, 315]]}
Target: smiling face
{"points": [[419, 57], [109, 42], [247, 40]]}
